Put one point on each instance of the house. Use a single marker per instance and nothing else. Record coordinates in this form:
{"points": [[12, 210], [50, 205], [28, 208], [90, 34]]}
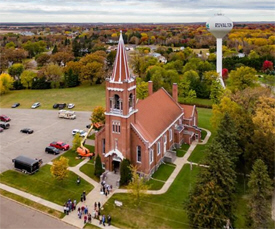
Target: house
{"points": [[143, 131]]}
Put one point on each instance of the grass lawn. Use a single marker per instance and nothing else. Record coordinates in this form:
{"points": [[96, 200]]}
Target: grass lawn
{"points": [[163, 173], [84, 97], [182, 150], [91, 226], [154, 184], [43, 185], [155, 211], [32, 204], [73, 156], [89, 169], [203, 134]]}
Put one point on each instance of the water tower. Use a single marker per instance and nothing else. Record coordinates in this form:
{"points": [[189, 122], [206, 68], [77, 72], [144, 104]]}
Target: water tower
{"points": [[219, 26]]}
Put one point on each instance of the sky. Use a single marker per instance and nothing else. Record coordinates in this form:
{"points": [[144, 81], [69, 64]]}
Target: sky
{"points": [[134, 11]]}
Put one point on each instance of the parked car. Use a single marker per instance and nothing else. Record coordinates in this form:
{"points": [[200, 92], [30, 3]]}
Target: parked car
{"points": [[15, 105], [55, 106], [82, 133], [70, 105], [60, 145], [51, 149], [1, 129], [59, 106], [4, 118], [26, 131], [35, 105], [5, 125]]}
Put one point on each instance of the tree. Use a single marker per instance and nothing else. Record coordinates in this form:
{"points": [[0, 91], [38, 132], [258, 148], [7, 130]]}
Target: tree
{"points": [[98, 115], [76, 141], [98, 166], [59, 169], [267, 65], [27, 77], [15, 70], [142, 89], [71, 79], [54, 49], [42, 59], [54, 74], [216, 92], [260, 189], [242, 78], [6, 83], [61, 57], [137, 186], [92, 72], [34, 48], [125, 172]]}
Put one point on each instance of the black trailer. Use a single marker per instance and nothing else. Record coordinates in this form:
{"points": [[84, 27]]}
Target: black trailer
{"points": [[26, 165]]}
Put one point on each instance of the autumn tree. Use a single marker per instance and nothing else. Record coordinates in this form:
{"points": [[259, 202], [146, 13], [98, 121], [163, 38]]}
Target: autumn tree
{"points": [[137, 186], [42, 59], [98, 115], [242, 78], [34, 48], [59, 169], [260, 189], [267, 66], [27, 77], [61, 57], [216, 92], [76, 141], [6, 83], [92, 72]]}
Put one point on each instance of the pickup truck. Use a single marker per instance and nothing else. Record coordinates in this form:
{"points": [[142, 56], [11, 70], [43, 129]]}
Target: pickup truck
{"points": [[60, 145]]}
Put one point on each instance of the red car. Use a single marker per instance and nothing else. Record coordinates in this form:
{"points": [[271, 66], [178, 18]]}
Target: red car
{"points": [[60, 145], [4, 118]]}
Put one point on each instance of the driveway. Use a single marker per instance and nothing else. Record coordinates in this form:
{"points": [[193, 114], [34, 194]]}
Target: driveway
{"points": [[47, 128]]}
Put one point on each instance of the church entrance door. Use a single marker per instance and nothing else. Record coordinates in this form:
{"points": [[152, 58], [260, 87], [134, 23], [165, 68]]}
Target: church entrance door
{"points": [[116, 165]]}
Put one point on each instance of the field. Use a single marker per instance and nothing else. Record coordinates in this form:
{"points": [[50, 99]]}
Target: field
{"points": [[84, 97]]}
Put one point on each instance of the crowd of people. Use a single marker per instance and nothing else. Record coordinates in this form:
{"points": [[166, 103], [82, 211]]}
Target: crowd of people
{"points": [[105, 188], [83, 211]]}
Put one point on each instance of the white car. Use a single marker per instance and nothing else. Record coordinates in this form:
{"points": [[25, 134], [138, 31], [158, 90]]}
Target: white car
{"points": [[70, 105], [35, 105], [82, 133]]}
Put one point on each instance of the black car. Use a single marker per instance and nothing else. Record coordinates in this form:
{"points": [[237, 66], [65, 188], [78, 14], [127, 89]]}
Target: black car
{"points": [[26, 131], [51, 149], [59, 106], [15, 105]]}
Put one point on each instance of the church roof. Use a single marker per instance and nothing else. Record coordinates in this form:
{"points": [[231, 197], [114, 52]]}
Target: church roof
{"points": [[121, 71], [155, 114], [188, 110]]}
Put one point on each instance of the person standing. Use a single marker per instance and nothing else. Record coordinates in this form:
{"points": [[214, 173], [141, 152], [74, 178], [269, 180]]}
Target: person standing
{"points": [[78, 180], [89, 218], [109, 220], [98, 204], [95, 205], [65, 209], [74, 204], [100, 219], [85, 219], [103, 220], [84, 195]]}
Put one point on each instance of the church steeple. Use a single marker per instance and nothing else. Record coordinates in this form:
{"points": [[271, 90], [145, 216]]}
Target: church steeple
{"points": [[121, 71]]}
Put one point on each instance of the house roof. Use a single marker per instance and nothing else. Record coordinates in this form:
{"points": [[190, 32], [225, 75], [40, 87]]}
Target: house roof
{"points": [[155, 114], [188, 110], [121, 71]]}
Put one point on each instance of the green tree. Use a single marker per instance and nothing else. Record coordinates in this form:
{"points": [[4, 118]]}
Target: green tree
{"points": [[137, 186], [98, 115], [55, 50], [59, 169], [242, 78], [216, 92], [142, 89], [98, 166], [260, 189], [76, 141], [10, 45], [6, 83], [92, 72], [27, 77], [125, 172], [16, 69], [34, 48], [71, 79]]}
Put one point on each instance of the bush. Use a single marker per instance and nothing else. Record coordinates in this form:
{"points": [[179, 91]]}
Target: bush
{"points": [[98, 166]]}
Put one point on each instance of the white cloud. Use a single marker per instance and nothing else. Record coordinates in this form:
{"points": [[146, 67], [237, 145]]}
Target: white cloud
{"points": [[134, 10]]}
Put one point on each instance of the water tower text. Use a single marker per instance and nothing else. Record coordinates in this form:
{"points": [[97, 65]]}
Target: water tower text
{"points": [[223, 25]]}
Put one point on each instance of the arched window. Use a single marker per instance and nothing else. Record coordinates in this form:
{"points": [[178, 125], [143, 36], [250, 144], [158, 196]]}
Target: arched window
{"points": [[117, 102], [138, 153], [131, 100]]}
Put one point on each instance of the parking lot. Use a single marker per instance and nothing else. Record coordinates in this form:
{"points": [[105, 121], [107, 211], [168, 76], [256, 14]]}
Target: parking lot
{"points": [[47, 128]]}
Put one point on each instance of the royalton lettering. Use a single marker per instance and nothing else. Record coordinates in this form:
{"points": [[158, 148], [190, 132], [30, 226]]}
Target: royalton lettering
{"points": [[223, 25]]}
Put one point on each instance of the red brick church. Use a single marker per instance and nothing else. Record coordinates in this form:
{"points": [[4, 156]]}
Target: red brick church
{"points": [[143, 131]]}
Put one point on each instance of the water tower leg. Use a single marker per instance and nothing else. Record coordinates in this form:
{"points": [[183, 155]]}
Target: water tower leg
{"points": [[219, 60]]}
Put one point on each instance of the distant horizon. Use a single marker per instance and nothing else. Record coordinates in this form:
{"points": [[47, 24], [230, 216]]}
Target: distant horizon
{"points": [[133, 11]]}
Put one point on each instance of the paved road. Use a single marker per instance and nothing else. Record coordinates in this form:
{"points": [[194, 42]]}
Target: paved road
{"points": [[47, 128], [14, 215]]}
